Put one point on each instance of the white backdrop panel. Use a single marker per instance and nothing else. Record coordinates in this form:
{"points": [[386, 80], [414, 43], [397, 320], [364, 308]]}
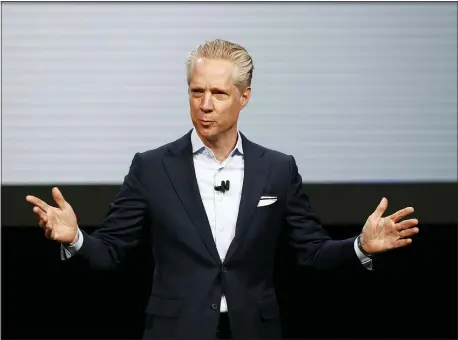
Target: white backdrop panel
{"points": [[357, 92]]}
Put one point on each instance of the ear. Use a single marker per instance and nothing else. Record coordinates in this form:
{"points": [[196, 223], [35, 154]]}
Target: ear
{"points": [[245, 97]]}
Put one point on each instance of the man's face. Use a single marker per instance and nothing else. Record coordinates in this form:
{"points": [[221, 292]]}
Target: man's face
{"points": [[214, 100]]}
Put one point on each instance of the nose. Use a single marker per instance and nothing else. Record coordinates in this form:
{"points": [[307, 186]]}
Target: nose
{"points": [[206, 104]]}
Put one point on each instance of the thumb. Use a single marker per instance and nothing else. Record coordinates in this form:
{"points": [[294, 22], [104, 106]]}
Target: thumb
{"points": [[378, 213], [58, 197]]}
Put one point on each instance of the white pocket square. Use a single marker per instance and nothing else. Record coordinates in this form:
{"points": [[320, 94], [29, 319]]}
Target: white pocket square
{"points": [[267, 200]]}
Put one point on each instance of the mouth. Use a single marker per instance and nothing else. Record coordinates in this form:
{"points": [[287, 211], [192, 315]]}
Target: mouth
{"points": [[206, 122]]}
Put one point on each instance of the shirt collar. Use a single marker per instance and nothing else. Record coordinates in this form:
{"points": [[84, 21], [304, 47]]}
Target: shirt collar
{"points": [[199, 146]]}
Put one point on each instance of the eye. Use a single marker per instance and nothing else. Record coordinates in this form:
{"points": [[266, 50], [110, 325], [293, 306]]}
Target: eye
{"points": [[220, 94], [196, 93]]}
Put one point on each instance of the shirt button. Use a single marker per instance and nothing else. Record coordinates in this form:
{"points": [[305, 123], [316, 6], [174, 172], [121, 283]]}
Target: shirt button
{"points": [[214, 306]]}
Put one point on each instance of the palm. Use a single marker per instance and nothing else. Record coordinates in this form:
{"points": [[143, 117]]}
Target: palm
{"points": [[60, 223], [384, 233]]}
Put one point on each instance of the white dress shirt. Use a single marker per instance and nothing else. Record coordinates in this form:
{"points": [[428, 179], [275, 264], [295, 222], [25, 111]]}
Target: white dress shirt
{"points": [[222, 208]]}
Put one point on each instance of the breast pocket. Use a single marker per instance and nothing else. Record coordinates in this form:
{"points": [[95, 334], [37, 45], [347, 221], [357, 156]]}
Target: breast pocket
{"points": [[265, 201]]}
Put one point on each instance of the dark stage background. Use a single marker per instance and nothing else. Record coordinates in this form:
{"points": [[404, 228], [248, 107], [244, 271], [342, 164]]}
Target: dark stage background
{"points": [[412, 292]]}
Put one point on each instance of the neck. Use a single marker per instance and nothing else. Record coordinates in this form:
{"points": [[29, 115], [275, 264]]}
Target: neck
{"points": [[222, 144]]}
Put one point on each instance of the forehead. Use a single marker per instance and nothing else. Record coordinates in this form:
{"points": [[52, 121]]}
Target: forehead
{"points": [[212, 72]]}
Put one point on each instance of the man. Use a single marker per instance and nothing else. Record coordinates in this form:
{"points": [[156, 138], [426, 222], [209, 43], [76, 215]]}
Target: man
{"points": [[216, 204]]}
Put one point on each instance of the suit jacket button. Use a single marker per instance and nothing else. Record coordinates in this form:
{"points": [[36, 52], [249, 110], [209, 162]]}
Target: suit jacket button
{"points": [[214, 306], [224, 269]]}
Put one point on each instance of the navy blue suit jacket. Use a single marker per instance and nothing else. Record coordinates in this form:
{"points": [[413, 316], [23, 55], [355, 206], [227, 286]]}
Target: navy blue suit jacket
{"points": [[160, 192]]}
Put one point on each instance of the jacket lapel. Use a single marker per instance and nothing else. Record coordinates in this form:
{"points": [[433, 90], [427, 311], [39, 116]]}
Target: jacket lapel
{"points": [[256, 172], [180, 169]]}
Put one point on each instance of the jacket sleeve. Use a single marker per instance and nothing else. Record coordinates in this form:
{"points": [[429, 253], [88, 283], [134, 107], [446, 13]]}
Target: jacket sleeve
{"points": [[122, 227], [312, 244]]}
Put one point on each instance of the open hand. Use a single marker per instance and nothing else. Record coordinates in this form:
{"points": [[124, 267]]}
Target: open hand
{"points": [[384, 233], [60, 224]]}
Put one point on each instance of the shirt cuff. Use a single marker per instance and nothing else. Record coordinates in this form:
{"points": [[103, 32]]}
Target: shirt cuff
{"points": [[69, 250], [365, 260]]}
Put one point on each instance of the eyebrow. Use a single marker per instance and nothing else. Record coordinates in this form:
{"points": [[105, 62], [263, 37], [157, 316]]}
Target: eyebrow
{"points": [[212, 89]]}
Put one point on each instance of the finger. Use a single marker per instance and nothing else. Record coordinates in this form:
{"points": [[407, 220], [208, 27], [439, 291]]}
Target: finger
{"points": [[401, 214], [408, 232], [381, 208], [48, 233], [58, 197], [38, 202], [44, 225], [403, 242], [406, 224], [41, 214]]}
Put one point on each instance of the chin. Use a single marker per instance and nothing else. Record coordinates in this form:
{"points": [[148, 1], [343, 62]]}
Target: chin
{"points": [[208, 132]]}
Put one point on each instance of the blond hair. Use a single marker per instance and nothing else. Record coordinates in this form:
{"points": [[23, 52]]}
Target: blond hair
{"points": [[225, 50]]}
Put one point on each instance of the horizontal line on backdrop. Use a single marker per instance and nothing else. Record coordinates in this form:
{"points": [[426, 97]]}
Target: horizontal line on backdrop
{"points": [[335, 203]]}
